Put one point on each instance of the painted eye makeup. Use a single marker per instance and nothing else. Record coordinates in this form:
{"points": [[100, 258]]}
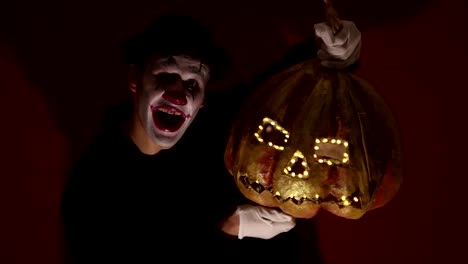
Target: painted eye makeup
{"points": [[191, 85]]}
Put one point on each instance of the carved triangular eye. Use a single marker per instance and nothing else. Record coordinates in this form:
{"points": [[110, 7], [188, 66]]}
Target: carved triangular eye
{"points": [[271, 133], [297, 166], [331, 151]]}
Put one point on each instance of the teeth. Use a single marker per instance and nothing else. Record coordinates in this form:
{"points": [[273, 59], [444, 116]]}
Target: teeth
{"points": [[171, 112]]}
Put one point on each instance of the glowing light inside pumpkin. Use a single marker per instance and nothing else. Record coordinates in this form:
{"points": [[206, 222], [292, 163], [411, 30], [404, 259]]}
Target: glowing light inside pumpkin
{"points": [[302, 166], [266, 129], [331, 151], [343, 201]]}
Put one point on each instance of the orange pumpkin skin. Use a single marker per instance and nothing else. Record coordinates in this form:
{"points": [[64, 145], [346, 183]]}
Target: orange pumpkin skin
{"points": [[312, 138]]}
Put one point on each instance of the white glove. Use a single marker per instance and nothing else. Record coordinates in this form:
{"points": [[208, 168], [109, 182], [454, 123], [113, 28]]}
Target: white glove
{"points": [[263, 222], [338, 51]]}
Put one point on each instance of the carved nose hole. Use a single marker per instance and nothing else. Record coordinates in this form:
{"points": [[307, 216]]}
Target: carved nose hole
{"points": [[297, 166]]}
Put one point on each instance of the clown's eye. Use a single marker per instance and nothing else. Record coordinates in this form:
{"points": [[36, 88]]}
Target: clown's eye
{"points": [[271, 133], [331, 151], [191, 84]]}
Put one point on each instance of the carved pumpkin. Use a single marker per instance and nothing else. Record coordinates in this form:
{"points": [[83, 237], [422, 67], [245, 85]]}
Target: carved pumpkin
{"points": [[312, 138]]}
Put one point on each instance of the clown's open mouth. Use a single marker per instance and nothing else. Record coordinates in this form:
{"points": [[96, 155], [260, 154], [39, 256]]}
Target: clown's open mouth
{"points": [[341, 202], [168, 118]]}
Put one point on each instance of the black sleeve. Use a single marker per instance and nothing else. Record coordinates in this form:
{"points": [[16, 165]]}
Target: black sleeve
{"points": [[96, 225], [86, 230]]}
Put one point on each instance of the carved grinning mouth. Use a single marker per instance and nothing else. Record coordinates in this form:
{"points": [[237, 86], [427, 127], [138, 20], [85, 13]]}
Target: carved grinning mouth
{"points": [[344, 201], [168, 118]]}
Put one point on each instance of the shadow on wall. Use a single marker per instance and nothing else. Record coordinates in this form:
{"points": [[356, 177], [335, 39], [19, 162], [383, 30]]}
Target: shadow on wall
{"points": [[72, 53], [370, 13], [31, 176]]}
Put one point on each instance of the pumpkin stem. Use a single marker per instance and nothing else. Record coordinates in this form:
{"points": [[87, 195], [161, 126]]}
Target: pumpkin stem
{"points": [[332, 19]]}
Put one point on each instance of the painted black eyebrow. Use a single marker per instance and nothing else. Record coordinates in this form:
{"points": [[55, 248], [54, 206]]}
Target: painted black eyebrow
{"points": [[197, 70], [169, 61], [194, 69]]}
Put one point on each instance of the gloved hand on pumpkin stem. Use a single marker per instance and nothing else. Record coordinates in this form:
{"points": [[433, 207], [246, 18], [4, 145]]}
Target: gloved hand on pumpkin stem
{"points": [[258, 222], [341, 50]]}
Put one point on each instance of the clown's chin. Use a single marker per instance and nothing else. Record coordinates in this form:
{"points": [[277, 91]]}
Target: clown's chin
{"points": [[167, 121]]}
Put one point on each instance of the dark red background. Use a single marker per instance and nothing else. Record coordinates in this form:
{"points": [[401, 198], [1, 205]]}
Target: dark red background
{"points": [[60, 61]]}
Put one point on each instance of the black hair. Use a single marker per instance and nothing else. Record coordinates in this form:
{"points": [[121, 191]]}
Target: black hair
{"points": [[177, 35]]}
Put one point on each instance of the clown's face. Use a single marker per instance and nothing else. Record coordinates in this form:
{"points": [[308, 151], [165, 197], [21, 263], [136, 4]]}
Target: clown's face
{"points": [[169, 96]]}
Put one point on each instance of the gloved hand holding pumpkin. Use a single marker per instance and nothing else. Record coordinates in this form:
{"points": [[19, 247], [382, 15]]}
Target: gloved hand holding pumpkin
{"points": [[258, 222], [339, 50], [263, 222]]}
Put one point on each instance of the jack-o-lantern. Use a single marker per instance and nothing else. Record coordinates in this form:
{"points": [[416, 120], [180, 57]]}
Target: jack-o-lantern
{"points": [[312, 138]]}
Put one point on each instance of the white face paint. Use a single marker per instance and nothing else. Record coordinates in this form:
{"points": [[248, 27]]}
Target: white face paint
{"points": [[171, 93]]}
